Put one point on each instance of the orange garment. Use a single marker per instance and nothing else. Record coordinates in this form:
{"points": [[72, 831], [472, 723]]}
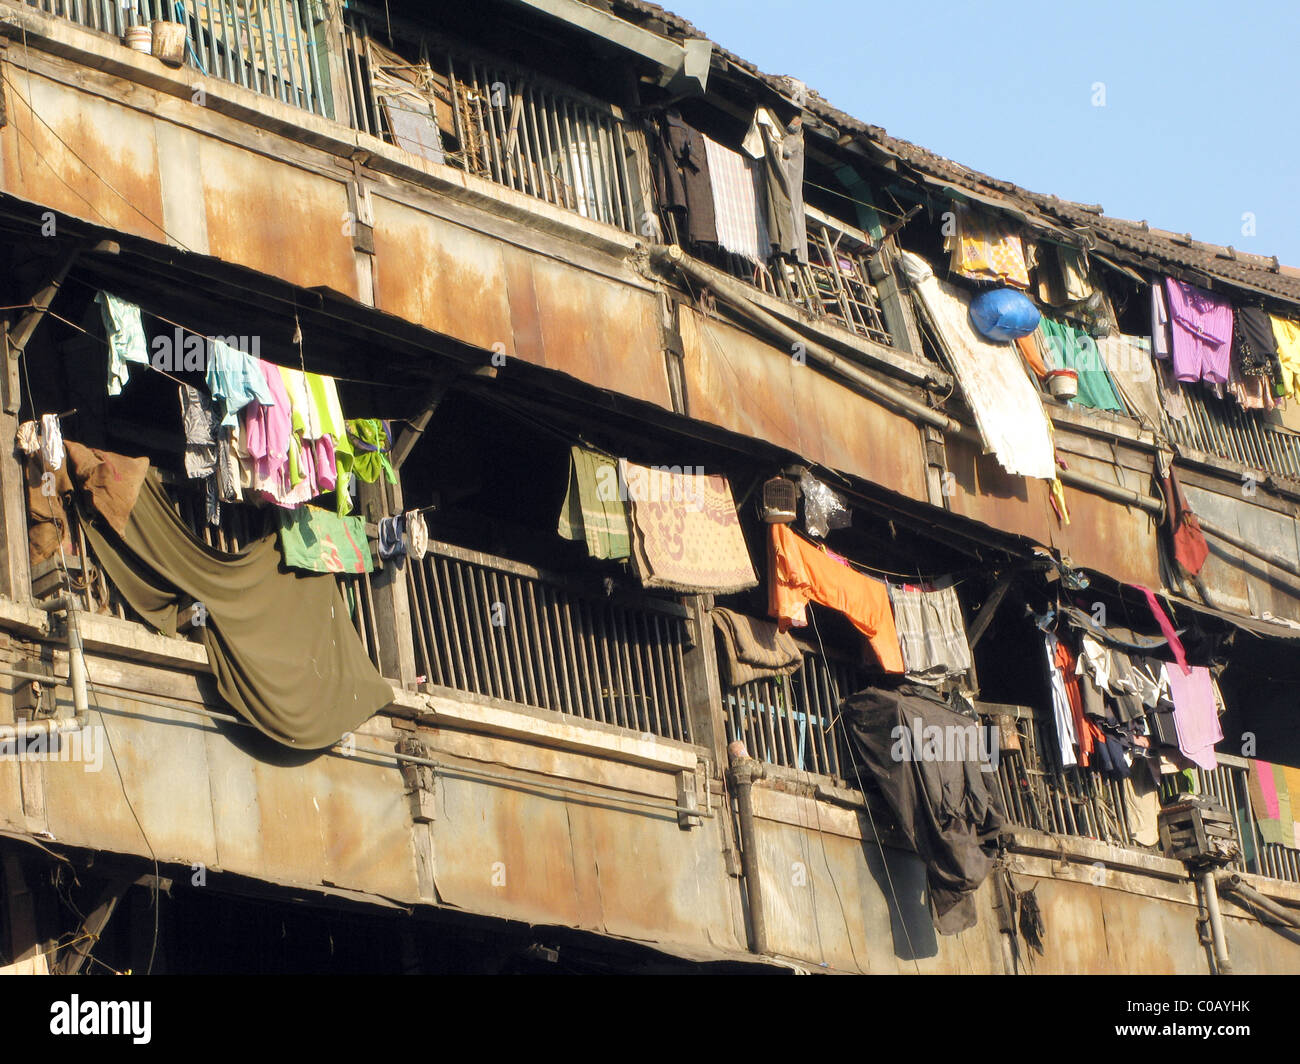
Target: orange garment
{"points": [[799, 572], [1028, 346], [1065, 661]]}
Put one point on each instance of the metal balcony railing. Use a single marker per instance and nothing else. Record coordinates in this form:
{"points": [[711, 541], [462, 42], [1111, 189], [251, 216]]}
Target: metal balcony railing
{"points": [[504, 630], [794, 721], [835, 285], [1080, 802], [269, 46], [500, 122], [1219, 427]]}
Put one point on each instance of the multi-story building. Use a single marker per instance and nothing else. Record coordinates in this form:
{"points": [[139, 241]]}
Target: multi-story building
{"points": [[514, 228]]}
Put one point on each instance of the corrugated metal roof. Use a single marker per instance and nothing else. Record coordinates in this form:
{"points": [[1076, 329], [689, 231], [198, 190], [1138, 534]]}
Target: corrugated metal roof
{"points": [[1133, 241]]}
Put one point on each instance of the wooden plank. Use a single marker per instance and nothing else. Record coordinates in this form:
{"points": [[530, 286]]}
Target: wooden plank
{"points": [[87, 936]]}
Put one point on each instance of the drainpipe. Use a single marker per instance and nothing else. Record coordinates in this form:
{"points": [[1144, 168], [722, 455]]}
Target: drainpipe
{"points": [[744, 770], [1218, 935]]}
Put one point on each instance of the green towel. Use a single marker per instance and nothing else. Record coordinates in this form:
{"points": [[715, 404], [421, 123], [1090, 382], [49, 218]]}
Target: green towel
{"points": [[321, 541], [594, 509], [282, 648], [368, 444], [1072, 348]]}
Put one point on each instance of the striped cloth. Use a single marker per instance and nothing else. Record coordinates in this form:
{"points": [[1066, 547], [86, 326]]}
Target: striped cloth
{"points": [[1271, 801], [737, 196], [594, 510], [930, 631]]}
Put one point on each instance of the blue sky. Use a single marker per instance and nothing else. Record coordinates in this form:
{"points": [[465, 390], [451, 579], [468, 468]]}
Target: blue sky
{"points": [[1197, 127]]}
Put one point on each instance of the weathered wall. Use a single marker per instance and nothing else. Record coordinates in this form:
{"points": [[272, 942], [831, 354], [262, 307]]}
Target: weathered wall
{"points": [[497, 270], [221, 796], [848, 905], [1236, 581]]}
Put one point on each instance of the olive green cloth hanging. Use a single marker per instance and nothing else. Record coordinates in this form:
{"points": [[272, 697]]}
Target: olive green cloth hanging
{"points": [[284, 653]]}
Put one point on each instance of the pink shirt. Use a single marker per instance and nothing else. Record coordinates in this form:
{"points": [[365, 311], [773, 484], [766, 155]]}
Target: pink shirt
{"points": [[1200, 326], [268, 432], [1196, 717]]}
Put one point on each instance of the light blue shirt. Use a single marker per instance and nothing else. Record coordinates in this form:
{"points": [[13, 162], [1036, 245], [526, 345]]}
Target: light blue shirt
{"points": [[126, 341], [235, 379]]}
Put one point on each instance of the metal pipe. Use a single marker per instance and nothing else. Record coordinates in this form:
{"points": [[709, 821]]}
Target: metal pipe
{"points": [[13, 733], [72, 724], [744, 770], [76, 680], [1232, 882], [735, 294], [1220, 939]]}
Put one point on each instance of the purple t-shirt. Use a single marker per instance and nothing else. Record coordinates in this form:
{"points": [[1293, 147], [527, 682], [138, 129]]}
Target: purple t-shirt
{"points": [[1200, 326]]}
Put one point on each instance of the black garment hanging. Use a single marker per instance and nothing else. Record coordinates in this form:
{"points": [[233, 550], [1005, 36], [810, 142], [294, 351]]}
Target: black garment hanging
{"points": [[942, 804]]}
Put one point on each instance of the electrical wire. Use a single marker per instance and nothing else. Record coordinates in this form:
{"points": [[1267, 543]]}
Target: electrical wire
{"points": [[95, 173], [866, 801], [72, 626], [203, 335]]}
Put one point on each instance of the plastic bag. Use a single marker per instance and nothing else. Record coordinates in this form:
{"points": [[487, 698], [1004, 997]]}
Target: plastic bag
{"points": [[823, 509]]}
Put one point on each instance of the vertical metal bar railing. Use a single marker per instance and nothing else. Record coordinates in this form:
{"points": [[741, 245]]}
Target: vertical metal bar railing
{"points": [[223, 39], [792, 721], [497, 629]]}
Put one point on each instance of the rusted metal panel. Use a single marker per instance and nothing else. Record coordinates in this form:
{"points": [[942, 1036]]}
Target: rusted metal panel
{"points": [[81, 155], [277, 219], [515, 851], [831, 901], [160, 766], [740, 383], [979, 489], [525, 311], [479, 290], [737, 382], [601, 331], [362, 817], [1102, 535], [1235, 580], [442, 276], [853, 434], [202, 798], [1109, 537]]}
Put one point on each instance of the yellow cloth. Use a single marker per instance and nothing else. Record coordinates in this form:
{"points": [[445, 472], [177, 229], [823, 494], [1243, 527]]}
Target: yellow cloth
{"points": [[989, 248], [1287, 334], [1292, 777]]}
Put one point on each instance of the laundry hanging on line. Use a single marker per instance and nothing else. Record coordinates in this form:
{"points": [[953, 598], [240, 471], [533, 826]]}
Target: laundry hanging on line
{"points": [[685, 531], [799, 572]]}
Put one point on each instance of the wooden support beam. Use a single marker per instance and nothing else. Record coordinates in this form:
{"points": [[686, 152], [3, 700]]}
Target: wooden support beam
{"points": [[25, 949], [87, 937], [410, 436], [20, 335], [990, 607]]}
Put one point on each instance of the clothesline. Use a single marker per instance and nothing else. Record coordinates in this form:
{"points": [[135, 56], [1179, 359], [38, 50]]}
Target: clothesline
{"points": [[199, 332]]}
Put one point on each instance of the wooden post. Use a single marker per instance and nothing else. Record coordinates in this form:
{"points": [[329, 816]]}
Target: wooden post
{"points": [[15, 569], [392, 603], [703, 685], [25, 949]]}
